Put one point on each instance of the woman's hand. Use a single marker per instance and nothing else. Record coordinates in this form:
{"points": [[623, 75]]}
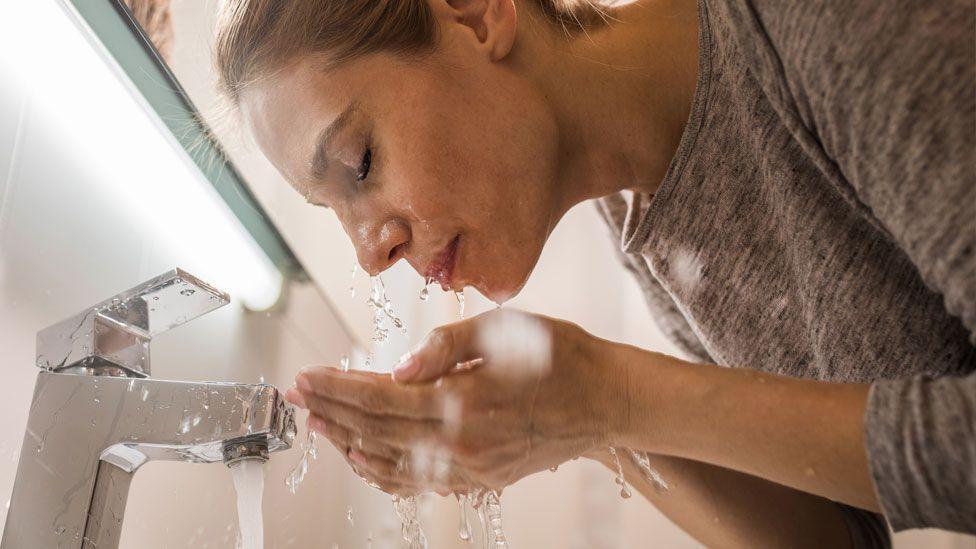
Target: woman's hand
{"points": [[478, 404]]}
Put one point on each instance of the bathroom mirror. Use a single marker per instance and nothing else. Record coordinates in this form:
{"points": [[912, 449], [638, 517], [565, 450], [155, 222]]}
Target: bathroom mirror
{"points": [[163, 48]]}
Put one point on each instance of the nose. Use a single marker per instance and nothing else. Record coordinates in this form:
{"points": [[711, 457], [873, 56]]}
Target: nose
{"points": [[380, 245]]}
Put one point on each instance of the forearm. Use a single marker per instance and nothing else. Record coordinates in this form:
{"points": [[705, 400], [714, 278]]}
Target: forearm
{"points": [[724, 508], [803, 434]]}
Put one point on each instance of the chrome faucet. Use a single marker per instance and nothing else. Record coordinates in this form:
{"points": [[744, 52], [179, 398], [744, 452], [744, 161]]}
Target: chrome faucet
{"points": [[97, 416]]}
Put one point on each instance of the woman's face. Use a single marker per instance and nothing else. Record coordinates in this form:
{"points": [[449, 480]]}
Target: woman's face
{"points": [[448, 161]]}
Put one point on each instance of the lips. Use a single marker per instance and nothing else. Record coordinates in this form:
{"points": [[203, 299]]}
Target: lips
{"points": [[441, 270]]}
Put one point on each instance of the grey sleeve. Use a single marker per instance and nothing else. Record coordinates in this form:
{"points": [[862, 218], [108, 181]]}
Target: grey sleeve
{"points": [[887, 91]]}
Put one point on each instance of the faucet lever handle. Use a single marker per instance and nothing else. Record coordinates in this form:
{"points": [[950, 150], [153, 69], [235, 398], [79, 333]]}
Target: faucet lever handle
{"points": [[112, 337]]}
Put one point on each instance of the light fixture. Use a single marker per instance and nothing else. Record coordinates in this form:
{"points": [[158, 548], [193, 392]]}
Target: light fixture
{"points": [[134, 155]]}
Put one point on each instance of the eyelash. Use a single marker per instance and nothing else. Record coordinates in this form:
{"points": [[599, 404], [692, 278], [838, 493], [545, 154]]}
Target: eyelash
{"points": [[363, 172]]}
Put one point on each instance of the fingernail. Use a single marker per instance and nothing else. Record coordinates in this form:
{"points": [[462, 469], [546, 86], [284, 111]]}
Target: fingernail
{"points": [[295, 397], [406, 368], [357, 457], [303, 384]]}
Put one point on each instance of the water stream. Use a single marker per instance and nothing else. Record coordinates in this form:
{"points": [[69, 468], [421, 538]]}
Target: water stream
{"points": [[413, 534], [464, 526], [249, 483]]}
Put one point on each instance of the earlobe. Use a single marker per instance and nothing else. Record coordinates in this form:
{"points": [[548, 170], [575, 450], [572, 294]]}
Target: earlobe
{"points": [[493, 22], [502, 19]]}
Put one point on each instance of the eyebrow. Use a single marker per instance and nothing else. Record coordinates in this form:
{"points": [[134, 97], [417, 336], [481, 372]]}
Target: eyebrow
{"points": [[320, 162]]}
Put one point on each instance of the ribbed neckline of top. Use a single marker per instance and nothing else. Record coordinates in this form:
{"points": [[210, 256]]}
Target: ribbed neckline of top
{"points": [[642, 206]]}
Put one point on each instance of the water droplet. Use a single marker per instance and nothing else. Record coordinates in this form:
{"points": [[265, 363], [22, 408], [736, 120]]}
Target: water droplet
{"points": [[352, 282], [155, 298], [619, 479], [460, 300], [651, 475], [188, 291], [344, 363], [59, 530], [554, 468], [349, 517]]}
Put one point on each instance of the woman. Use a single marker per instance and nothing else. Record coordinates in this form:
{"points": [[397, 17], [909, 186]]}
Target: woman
{"points": [[793, 186]]}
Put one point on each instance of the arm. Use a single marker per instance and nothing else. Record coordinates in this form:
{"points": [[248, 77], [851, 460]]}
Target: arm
{"points": [[724, 508], [810, 437]]}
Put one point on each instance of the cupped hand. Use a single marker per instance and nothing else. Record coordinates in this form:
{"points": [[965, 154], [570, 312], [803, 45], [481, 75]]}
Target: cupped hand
{"points": [[478, 404]]}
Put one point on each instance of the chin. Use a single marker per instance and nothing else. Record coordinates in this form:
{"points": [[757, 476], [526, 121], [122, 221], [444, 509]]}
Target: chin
{"points": [[500, 291]]}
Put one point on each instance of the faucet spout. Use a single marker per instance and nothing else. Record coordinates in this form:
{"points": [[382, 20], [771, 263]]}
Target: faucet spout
{"points": [[87, 435], [97, 416]]}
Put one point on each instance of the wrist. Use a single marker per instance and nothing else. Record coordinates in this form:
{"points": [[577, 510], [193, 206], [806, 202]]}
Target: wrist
{"points": [[613, 380], [645, 388]]}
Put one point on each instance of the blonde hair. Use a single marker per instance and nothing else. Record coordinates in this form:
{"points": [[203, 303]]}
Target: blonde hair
{"points": [[156, 20], [255, 37]]}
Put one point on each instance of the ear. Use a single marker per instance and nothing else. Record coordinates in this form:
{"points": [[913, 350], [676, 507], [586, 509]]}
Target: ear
{"points": [[493, 23]]}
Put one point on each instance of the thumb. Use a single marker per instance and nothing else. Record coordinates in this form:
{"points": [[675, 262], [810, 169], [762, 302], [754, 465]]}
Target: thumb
{"points": [[443, 349]]}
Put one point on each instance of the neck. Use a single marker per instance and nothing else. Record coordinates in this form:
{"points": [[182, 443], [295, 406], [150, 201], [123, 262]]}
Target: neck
{"points": [[621, 94]]}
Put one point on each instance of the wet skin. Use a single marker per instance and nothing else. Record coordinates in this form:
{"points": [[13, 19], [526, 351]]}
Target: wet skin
{"points": [[486, 143]]}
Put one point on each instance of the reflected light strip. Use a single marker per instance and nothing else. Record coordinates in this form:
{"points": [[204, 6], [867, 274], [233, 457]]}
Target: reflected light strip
{"points": [[130, 152]]}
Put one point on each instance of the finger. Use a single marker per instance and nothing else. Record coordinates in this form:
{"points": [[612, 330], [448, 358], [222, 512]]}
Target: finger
{"points": [[375, 393], [359, 461], [344, 438], [294, 396], [397, 432], [419, 469], [366, 470], [439, 353]]}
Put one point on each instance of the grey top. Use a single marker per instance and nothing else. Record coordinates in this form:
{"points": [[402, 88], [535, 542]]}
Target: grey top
{"points": [[819, 221]]}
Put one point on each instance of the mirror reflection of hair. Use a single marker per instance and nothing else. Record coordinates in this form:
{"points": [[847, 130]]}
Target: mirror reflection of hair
{"points": [[156, 21]]}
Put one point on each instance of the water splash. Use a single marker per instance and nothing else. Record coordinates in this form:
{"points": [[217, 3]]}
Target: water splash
{"points": [[489, 506], [460, 300], [249, 483], [382, 311], [413, 534], [424, 292], [344, 363], [464, 526], [619, 479], [651, 475], [309, 453]]}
